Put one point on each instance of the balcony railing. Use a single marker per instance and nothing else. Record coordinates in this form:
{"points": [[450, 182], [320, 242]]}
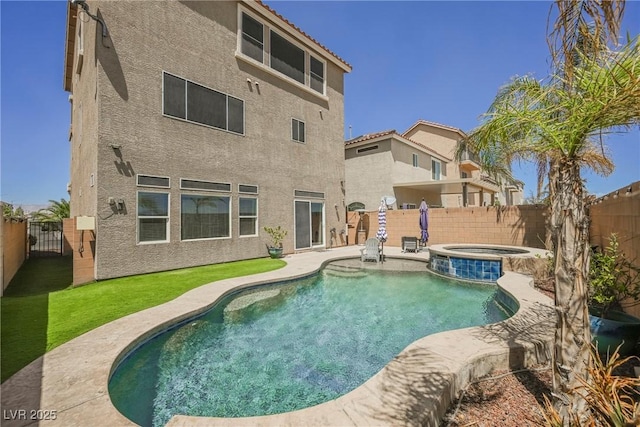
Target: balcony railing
{"points": [[470, 156]]}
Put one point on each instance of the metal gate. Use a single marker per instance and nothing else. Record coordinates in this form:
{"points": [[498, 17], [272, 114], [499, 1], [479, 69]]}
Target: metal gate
{"points": [[45, 238]]}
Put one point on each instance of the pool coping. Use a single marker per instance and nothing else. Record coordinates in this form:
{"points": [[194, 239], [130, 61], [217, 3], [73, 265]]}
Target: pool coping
{"points": [[416, 387]]}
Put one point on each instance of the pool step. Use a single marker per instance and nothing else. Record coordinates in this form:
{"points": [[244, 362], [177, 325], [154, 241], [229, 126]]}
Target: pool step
{"points": [[344, 271]]}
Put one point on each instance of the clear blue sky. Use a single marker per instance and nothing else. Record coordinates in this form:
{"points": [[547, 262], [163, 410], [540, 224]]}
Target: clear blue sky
{"points": [[437, 61]]}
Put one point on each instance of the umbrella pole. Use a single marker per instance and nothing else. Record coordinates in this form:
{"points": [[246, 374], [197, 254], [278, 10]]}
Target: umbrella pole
{"points": [[382, 254]]}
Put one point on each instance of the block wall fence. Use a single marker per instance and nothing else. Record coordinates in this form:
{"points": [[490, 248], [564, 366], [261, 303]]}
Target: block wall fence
{"points": [[619, 212], [14, 249], [498, 225]]}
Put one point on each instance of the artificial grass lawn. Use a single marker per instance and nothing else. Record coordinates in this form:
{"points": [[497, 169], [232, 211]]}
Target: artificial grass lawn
{"points": [[40, 310]]}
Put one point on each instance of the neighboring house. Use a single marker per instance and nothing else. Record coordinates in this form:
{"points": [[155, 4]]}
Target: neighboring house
{"points": [[196, 124], [419, 164]]}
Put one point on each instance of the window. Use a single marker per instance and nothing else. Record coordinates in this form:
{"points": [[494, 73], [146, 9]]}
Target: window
{"points": [[435, 170], [190, 184], [309, 194], [153, 181], [415, 160], [205, 217], [174, 99], [297, 130], [285, 57], [249, 189], [153, 217], [309, 224], [248, 216], [195, 103], [355, 205], [316, 75], [365, 149], [252, 38]]}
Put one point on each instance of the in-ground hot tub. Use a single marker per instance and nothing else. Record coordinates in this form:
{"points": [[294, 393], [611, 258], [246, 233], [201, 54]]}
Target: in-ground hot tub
{"points": [[476, 262]]}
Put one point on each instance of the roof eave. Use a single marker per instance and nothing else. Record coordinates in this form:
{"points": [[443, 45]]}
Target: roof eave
{"points": [[266, 11], [70, 41], [436, 125]]}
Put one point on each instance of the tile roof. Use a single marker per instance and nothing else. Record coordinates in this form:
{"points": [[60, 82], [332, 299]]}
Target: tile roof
{"points": [[434, 124], [369, 136], [285, 20]]}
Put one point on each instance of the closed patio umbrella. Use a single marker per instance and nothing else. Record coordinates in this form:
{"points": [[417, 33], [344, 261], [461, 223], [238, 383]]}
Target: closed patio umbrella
{"points": [[382, 225], [424, 222]]}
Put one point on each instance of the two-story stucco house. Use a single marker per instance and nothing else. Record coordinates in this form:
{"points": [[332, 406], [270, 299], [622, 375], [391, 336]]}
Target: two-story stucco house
{"points": [[418, 164], [195, 124]]}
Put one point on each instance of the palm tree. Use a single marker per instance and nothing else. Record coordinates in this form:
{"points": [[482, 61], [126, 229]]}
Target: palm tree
{"points": [[55, 212], [559, 124]]}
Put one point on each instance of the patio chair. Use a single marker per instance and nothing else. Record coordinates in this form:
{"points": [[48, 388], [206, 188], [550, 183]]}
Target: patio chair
{"points": [[409, 244], [371, 250]]}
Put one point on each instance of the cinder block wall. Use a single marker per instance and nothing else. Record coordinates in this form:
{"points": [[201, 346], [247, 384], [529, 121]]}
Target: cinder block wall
{"points": [[68, 225], [619, 212], [14, 248], [499, 225]]}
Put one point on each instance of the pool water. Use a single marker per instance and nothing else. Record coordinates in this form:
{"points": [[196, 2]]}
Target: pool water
{"points": [[287, 347]]}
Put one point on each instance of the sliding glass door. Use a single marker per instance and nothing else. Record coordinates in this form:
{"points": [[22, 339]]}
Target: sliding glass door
{"points": [[309, 230]]}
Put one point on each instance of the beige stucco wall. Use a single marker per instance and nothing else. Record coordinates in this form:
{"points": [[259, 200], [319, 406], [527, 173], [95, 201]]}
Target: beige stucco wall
{"points": [[368, 176], [13, 238], [197, 41], [84, 117]]}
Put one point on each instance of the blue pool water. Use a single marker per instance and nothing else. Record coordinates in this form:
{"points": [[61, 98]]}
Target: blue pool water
{"points": [[290, 346]]}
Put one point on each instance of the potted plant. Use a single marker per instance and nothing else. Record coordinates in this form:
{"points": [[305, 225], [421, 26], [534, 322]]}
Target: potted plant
{"points": [[614, 283], [277, 236]]}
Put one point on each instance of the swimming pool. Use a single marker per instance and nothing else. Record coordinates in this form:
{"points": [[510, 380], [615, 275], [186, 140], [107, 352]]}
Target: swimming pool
{"points": [[292, 345]]}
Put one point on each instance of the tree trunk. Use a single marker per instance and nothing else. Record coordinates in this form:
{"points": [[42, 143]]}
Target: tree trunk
{"points": [[572, 337], [555, 218]]}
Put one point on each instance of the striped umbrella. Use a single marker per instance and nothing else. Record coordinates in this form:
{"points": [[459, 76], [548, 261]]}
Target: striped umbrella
{"points": [[382, 222], [424, 222]]}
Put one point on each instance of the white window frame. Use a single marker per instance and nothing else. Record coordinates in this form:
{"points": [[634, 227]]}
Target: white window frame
{"points": [[222, 195], [264, 36], [182, 187], [436, 176], [167, 218], [324, 69], [415, 160], [265, 65], [186, 110], [152, 176], [304, 133], [311, 201], [248, 192], [256, 228]]}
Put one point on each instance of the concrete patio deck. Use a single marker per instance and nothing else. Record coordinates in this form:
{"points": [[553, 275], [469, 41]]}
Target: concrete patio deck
{"points": [[415, 388]]}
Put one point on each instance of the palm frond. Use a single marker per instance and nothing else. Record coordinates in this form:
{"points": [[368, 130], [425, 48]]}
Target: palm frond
{"points": [[583, 25]]}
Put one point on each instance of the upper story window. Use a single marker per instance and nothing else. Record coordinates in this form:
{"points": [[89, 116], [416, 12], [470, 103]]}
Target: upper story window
{"points": [[285, 56], [415, 160], [252, 38], [316, 74], [192, 102], [297, 130], [436, 167]]}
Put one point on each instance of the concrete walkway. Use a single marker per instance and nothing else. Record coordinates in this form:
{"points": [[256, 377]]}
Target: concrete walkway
{"points": [[70, 383]]}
